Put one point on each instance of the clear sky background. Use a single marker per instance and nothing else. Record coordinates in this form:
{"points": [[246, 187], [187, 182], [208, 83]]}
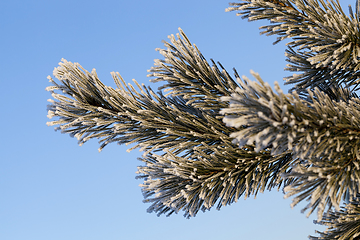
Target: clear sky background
{"points": [[52, 189]]}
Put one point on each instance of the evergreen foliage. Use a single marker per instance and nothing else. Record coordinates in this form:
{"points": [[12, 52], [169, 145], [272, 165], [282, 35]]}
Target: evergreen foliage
{"points": [[213, 138]]}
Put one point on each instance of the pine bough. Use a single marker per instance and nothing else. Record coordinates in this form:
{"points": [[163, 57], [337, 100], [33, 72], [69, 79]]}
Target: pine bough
{"points": [[213, 138]]}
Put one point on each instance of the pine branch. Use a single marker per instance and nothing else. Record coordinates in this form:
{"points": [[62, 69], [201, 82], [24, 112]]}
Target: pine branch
{"points": [[209, 140], [324, 185], [343, 224], [195, 148], [124, 115], [323, 134], [307, 22], [173, 183], [325, 42], [188, 74], [311, 76]]}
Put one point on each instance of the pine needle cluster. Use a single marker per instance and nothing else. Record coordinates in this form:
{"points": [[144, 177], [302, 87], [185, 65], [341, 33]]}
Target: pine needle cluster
{"points": [[213, 138]]}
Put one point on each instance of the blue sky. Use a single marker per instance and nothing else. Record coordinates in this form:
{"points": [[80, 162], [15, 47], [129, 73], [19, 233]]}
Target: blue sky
{"points": [[52, 189]]}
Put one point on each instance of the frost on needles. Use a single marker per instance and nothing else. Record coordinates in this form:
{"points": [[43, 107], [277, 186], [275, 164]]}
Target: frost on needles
{"points": [[213, 137]]}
